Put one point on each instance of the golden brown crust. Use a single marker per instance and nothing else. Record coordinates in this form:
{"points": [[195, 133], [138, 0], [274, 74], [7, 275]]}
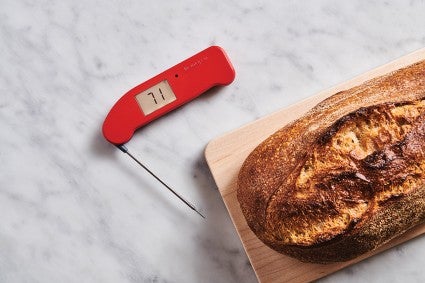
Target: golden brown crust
{"points": [[346, 177]]}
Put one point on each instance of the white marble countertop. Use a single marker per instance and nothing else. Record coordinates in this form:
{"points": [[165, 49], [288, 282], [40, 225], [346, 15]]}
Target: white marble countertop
{"points": [[75, 209]]}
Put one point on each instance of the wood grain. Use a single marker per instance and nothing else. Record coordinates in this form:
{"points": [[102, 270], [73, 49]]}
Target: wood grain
{"points": [[226, 154]]}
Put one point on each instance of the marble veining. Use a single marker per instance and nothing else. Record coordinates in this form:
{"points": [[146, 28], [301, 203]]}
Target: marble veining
{"points": [[75, 209]]}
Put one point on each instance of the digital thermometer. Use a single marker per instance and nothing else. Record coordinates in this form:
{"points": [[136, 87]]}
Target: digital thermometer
{"points": [[164, 93], [167, 91]]}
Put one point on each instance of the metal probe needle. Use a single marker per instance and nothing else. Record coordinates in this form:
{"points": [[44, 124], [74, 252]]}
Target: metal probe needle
{"points": [[124, 149]]}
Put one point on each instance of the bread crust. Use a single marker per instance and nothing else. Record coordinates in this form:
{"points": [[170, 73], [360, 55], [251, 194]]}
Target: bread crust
{"points": [[307, 192]]}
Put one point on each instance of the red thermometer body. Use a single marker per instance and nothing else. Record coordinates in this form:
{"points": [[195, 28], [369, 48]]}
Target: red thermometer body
{"points": [[167, 91]]}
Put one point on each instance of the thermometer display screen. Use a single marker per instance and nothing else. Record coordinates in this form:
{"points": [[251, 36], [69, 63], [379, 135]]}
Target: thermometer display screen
{"points": [[155, 97]]}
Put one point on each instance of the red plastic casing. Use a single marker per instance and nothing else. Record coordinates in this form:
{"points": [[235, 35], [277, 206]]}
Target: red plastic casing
{"points": [[188, 79]]}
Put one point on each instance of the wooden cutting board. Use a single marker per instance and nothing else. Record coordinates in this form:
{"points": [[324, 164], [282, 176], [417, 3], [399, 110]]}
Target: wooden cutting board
{"points": [[226, 154]]}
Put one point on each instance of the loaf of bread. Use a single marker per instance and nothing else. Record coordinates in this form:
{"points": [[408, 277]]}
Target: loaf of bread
{"points": [[346, 177]]}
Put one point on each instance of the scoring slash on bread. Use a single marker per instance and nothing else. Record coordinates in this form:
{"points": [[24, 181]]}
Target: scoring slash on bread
{"points": [[346, 177]]}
